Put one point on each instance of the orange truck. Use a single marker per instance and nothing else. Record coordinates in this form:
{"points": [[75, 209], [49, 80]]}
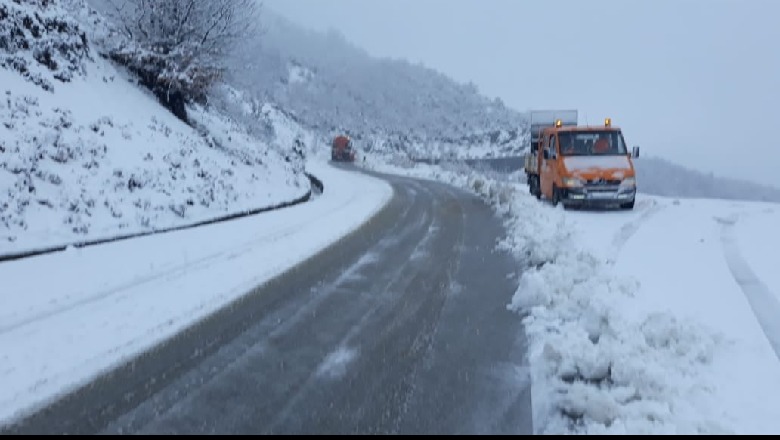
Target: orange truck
{"points": [[341, 149], [579, 165]]}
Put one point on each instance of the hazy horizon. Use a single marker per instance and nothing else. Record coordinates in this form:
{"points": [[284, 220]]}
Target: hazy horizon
{"points": [[683, 78]]}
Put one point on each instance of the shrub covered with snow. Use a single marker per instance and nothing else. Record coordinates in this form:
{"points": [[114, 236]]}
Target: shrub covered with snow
{"points": [[266, 121], [481, 143], [40, 42], [178, 47]]}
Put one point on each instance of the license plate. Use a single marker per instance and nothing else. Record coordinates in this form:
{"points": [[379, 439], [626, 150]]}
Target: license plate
{"points": [[602, 195]]}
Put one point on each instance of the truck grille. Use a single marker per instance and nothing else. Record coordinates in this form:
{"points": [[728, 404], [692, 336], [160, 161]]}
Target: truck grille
{"points": [[603, 182]]}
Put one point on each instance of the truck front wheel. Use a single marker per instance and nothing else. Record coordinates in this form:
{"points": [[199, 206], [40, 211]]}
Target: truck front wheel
{"points": [[533, 185], [556, 196]]}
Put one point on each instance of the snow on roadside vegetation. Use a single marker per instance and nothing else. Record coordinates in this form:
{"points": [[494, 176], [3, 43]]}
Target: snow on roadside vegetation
{"points": [[602, 359], [484, 144], [87, 154]]}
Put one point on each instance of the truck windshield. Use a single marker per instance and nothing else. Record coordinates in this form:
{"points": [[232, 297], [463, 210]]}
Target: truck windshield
{"points": [[592, 143]]}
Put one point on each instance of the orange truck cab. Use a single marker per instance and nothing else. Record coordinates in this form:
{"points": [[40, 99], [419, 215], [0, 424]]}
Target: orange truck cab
{"points": [[341, 149], [581, 165]]}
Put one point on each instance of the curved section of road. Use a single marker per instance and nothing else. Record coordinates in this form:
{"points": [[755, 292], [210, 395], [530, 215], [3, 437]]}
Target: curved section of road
{"points": [[401, 327], [69, 317]]}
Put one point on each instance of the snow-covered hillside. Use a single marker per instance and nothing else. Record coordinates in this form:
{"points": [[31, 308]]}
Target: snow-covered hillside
{"points": [[85, 153], [662, 320], [332, 86]]}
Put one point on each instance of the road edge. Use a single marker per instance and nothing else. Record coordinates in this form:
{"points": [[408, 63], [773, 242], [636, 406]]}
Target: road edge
{"points": [[314, 184]]}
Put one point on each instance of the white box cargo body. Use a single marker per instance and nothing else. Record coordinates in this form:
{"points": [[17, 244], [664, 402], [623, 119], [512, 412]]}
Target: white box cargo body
{"points": [[540, 119]]}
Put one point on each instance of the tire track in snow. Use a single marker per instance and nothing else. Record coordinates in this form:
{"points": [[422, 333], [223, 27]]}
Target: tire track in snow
{"points": [[167, 273], [764, 303], [348, 342], [279, 323], [629, 229], [156, 275]]}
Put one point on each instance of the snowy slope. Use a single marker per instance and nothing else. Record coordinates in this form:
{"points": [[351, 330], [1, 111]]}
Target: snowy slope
{"points": [[334, 87], [93, 155], [661, 320], [99, 306]]}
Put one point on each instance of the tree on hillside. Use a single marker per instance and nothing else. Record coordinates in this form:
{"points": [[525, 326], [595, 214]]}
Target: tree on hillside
{"points": [[179, 47]]}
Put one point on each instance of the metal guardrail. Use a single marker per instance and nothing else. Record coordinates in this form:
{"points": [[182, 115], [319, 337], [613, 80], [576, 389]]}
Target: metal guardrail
{"points": [[15, 256]]}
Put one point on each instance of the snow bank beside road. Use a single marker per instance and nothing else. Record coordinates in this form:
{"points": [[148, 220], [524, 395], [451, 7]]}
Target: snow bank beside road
{"points": [[635, 321]]}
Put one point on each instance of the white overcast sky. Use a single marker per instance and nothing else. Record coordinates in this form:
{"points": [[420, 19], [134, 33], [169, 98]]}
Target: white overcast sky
{"points": [[685, 79]]}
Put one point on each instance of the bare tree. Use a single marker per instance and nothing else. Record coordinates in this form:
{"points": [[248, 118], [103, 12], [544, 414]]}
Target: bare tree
{"points": [[179, 47]]}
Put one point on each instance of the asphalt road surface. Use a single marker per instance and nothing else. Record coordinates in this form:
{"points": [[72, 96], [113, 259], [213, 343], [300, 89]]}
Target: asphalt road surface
{"points": [[400, 328]]}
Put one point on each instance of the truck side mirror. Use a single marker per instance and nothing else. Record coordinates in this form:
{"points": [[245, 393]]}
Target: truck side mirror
{"points": [[636, 153]]}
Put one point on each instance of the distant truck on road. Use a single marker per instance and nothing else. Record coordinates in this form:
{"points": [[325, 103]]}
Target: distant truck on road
{"points": [[342, 150], [579, 165]]}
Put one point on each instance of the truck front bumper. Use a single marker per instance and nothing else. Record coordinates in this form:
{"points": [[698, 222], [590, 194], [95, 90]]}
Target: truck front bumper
{"points": [[598, 196]]}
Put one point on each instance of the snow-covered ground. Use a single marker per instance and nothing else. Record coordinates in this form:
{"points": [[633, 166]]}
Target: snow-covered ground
{"points": [[69, 316], [661, 320], [77, 166], [85, 153]]}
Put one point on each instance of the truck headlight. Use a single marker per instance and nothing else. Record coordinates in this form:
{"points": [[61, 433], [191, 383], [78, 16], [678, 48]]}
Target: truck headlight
{"points": [[628, 183], [573, 182]]}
